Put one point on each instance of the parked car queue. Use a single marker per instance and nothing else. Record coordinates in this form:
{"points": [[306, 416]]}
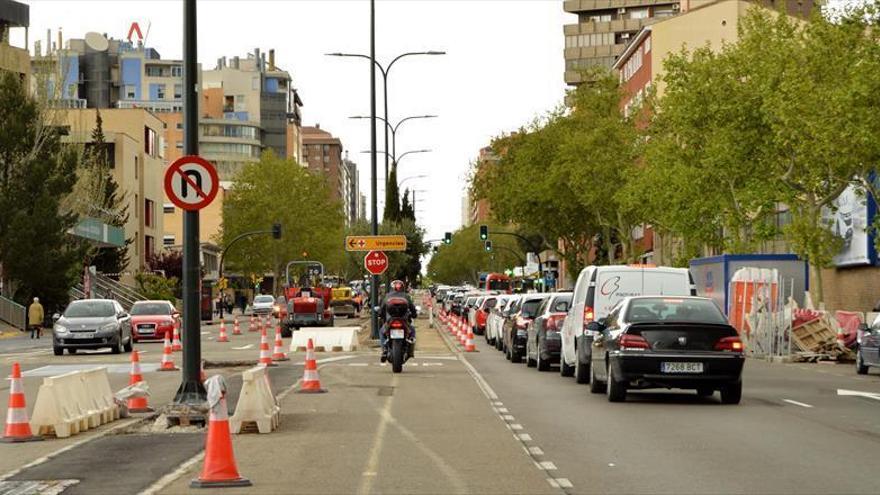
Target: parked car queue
{"points": [[621, 328]]}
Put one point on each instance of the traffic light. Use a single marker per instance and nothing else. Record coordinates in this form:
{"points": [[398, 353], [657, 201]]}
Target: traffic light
{"points": [[484, 232], [447, 238], [436, 248], [276, 231], [488, 246]]}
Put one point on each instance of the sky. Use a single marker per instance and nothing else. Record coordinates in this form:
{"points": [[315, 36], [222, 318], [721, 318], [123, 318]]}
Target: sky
{"points": [[504, 66]]}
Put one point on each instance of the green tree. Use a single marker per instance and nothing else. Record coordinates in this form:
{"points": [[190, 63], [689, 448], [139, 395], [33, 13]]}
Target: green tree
{"points": [[36, 173], [392, 197], [463, 259], [277, 190]]}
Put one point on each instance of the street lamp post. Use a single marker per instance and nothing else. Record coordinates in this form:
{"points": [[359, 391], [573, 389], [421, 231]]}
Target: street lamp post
{"points": [[394, 129], [384, 70]]}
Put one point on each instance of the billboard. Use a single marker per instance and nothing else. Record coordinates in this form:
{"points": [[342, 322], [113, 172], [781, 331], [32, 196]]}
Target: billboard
{"points": [[850, 217]]}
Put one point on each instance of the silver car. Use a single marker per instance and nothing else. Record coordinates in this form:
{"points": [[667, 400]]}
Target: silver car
{"points": [[264, 304], [92, 324]]}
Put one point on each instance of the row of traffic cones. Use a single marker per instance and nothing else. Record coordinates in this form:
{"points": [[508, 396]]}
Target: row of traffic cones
{"points": [[460, 329]]}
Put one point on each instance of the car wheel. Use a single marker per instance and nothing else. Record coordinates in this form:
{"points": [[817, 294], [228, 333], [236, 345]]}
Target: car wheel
{"points": [[705, 392], [732, 393], [285, 331], [616, 389], [861, 367], [499, 344], [71, 351], [515, 356], [565, 369], [543, 364], [581, 370], [116, 348], [128, 346], [58, 350], [596, 386], [507, 353]]}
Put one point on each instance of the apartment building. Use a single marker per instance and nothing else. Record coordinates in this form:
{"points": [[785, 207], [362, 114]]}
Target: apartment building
{"points": [[351, 188], [322, 154], [12, 58], [604, 28], [137, 162]]}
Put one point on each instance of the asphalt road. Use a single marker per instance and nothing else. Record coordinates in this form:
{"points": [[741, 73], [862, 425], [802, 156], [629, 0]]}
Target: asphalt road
{"points": [[792, 433]]}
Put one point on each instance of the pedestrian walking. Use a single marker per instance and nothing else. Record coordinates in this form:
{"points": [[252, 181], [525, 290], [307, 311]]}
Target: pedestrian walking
{"points": [[35, 318]]}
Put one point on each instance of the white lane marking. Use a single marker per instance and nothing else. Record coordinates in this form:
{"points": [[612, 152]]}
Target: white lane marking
{"points": [[857, 393], [444, 358], [535, 451], [206, 333], [378, 439], [611, 464], [249, 346], [546, 466], [432, 364], [358, 364], [507, 417], [560, 483], [497, 403], [797, 403], [515, 426], [525, 437], [503, 410]]}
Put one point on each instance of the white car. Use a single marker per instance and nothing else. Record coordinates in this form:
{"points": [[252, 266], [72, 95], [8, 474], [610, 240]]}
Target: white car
{"points": [[264, 304], [493, 329], [493, 316], [597, 290]]}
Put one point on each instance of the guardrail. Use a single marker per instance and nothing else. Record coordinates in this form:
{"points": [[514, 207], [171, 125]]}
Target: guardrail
{"points": [[13, 313]]}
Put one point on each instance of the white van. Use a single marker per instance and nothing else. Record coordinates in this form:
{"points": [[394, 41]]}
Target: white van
{"points": [[597, 290]]}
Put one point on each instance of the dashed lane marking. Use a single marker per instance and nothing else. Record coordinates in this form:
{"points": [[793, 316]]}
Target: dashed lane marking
{"points": [[546, 466], [507, 417], [560, 483], [524, 437], [796, 403], [535, 451], [249, 346], [502, 410], [515, 426]]}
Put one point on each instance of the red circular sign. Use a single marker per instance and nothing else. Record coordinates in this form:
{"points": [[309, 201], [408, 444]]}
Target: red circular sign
{"points": [[191, 182], [376, 262]]}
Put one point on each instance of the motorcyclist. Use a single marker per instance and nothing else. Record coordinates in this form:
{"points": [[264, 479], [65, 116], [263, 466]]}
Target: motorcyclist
{"points": [[398, 290]]}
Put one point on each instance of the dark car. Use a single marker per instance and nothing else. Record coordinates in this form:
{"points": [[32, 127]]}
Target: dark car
{"points": [[544, 344], [92, 324], [516, 333], [666, 342], [868, 353], [455, 307]]}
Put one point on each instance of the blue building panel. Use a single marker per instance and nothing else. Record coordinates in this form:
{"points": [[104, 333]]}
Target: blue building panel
{"points": [[270, 85], [154, 91], [131, 75], [71, 76]]}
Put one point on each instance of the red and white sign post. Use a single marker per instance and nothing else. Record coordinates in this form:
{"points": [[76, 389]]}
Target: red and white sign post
{"points": [[376, 262], [191, 182]]}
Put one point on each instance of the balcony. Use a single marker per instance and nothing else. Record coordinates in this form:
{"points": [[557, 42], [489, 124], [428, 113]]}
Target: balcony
{"points": [[158, 106], [576, 6]]}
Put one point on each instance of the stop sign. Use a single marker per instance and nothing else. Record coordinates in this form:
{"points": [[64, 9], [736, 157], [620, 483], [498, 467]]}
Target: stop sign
{"points": [[376, 262]]}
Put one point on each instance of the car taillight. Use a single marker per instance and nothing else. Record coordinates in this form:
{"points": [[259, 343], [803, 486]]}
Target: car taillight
{"points": [[521, 322], [732, 344], [554, 322], [589, 315], [396, 324], [632, 342]]}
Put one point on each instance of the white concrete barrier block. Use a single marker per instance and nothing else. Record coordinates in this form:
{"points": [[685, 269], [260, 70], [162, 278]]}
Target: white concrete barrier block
{"points": [[256, 402], [326, 337]]}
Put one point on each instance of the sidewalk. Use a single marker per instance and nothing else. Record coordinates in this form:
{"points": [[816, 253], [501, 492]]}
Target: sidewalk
{"points": [[427, 430]]}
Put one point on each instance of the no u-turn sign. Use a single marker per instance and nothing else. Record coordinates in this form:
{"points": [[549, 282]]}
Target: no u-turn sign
{"points": [[191, 182]]}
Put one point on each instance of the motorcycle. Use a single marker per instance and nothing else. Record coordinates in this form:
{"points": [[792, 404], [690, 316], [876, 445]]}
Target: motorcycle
{"points": [[399, 335]]}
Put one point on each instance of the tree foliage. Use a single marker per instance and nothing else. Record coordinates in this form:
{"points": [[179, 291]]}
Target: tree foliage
{"points": [[38, 256], [278, 190], [465, 257]]}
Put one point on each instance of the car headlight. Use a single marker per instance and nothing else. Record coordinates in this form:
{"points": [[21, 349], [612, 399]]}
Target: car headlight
{"points": [[60, 329], [108, 327]]}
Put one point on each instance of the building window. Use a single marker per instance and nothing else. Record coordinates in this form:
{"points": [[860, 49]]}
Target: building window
{"points": [[664, 11], [168, 208], [228, 103], [161, 92], [326, 149], [130, 91], [178, 91], [135, 168], [176, 71], [180, 125], [153, 71], [600, 18], [326, 158], [149, 141], [647, 44], [179, 145], [149, 245], [638, 13], [148, 213], [168, 240]]}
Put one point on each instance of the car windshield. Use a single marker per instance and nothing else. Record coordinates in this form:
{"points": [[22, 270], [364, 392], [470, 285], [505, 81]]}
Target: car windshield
{"points": [[679, 310], [163, 309], [280, 300], [86, 309], [264, 299], [530, 307]]}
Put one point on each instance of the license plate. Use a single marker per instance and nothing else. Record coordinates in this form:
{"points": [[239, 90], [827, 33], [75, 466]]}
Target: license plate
{"points": [[396, 334], [83, 335], [681, 367], [146, 331]]}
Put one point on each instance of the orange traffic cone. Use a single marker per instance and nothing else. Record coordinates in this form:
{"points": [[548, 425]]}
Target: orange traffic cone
{"points": [[167, 360], [469, 343], [278, 352], [18, 427], [311, 383], [236, 330], [265, 356], [176, 346], [252, 327], [222, 337], [137, 404], [220, 469]]}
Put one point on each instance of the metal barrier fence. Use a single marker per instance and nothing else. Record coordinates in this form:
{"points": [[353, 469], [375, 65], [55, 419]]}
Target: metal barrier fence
{"points": [[13, 313], [770, 320]]}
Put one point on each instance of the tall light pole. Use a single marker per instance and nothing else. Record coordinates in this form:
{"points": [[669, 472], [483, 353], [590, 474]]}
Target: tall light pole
{"points": [[403, 181], [385, 70], [374, 227], [393, 128]]}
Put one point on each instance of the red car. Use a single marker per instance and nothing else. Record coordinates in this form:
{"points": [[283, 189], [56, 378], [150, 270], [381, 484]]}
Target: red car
{"points": [[152, 320]]}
